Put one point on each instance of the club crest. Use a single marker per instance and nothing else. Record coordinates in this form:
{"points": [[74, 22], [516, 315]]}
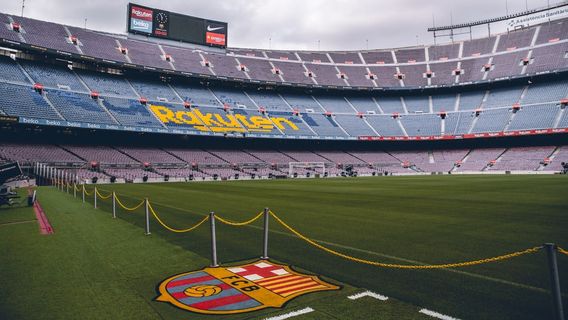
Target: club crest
{"points": [[238, 289]]}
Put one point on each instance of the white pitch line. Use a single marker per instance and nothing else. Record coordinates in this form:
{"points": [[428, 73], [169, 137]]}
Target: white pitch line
{"points": [[291, 314], [368, 294], [437, 315]]}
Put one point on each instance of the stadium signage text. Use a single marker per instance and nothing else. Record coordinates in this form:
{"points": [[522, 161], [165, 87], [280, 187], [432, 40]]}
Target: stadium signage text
{"points": [[537, 18], [215, 122], [229, 290]]}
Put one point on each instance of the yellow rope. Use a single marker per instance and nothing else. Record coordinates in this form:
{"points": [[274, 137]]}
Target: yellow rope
{"points": [[77, 188], [87, 193], [127, 208], [238, 224], [402, 266], [103, 197], [562, 251], [173, 229]]}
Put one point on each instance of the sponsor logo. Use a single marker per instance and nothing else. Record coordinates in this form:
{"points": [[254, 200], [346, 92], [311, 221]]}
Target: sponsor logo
{"points": [[215, 38], [8, 119], [537, 18], [210, 28], [141, 25], [239, 289], [141, 13], [216, 122]]}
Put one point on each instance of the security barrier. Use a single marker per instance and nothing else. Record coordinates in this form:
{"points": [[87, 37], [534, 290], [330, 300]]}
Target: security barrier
{"points": [[403, 266], [301, 236]]}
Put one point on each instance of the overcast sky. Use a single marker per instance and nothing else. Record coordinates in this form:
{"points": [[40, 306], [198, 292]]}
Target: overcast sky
{"points": [[291, 24]]}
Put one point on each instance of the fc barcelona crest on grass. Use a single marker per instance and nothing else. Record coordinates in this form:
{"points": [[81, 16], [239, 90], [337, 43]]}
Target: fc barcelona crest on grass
{"points": [[239, 289]]}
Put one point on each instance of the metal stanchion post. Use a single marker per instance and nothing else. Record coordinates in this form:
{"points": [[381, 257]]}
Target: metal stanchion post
{"points": [[95, 195], [74, 190], [113, 205], [213, 241], [147, 217], [265, 240], [554, 280], [83, 192]]}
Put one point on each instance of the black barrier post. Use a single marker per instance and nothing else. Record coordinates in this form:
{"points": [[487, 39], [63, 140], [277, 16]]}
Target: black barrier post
{"points": [[554, 280], [213, 241], [265, 240]]}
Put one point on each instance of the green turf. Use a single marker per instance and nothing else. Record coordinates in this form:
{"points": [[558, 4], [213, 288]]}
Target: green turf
{"points": [[95, 267], [395, 219]]}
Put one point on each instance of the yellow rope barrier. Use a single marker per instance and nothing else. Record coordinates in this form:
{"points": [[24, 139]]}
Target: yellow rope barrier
{"points": [[402, 266], [87, 193], [562, 251], [174, 229], [127, 208], [104, 197], [238, 224]]}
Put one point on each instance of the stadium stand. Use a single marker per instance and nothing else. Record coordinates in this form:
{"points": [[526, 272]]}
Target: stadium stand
{"points": [[18, 100], [100, 154], [526, 158], [517, 98]]}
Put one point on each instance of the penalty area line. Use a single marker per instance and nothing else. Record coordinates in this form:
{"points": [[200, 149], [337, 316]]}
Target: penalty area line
{"points": [[436, 315], [368, 294], [291, 314]]}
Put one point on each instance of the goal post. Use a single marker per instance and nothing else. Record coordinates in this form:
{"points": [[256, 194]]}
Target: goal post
{"points": [[316, 167]]}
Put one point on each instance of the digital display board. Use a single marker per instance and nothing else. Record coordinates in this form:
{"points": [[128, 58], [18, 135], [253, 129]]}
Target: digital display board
{"points": [[174, 26]]}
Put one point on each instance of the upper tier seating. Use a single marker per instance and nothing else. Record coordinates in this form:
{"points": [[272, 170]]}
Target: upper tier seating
{"points": [[505, 51], [45, 34]]}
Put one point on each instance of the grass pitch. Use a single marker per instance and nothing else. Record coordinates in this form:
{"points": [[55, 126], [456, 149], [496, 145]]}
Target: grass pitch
{"points": [[402, 220]]}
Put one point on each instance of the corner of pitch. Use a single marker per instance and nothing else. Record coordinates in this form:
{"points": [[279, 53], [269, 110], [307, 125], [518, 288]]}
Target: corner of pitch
{"points": [[238, 289]]}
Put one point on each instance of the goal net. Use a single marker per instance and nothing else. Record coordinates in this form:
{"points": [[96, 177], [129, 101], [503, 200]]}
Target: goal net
{"points": [[306, 168]]}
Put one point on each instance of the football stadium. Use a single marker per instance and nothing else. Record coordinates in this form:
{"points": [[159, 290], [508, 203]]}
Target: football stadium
{"points": [[159, 172]]}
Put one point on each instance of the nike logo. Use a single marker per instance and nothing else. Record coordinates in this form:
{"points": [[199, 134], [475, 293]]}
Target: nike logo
{"points": [[209, 28]]}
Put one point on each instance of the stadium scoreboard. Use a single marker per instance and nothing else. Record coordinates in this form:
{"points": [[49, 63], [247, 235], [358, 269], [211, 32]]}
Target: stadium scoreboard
{"points": [[174, 26]]}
